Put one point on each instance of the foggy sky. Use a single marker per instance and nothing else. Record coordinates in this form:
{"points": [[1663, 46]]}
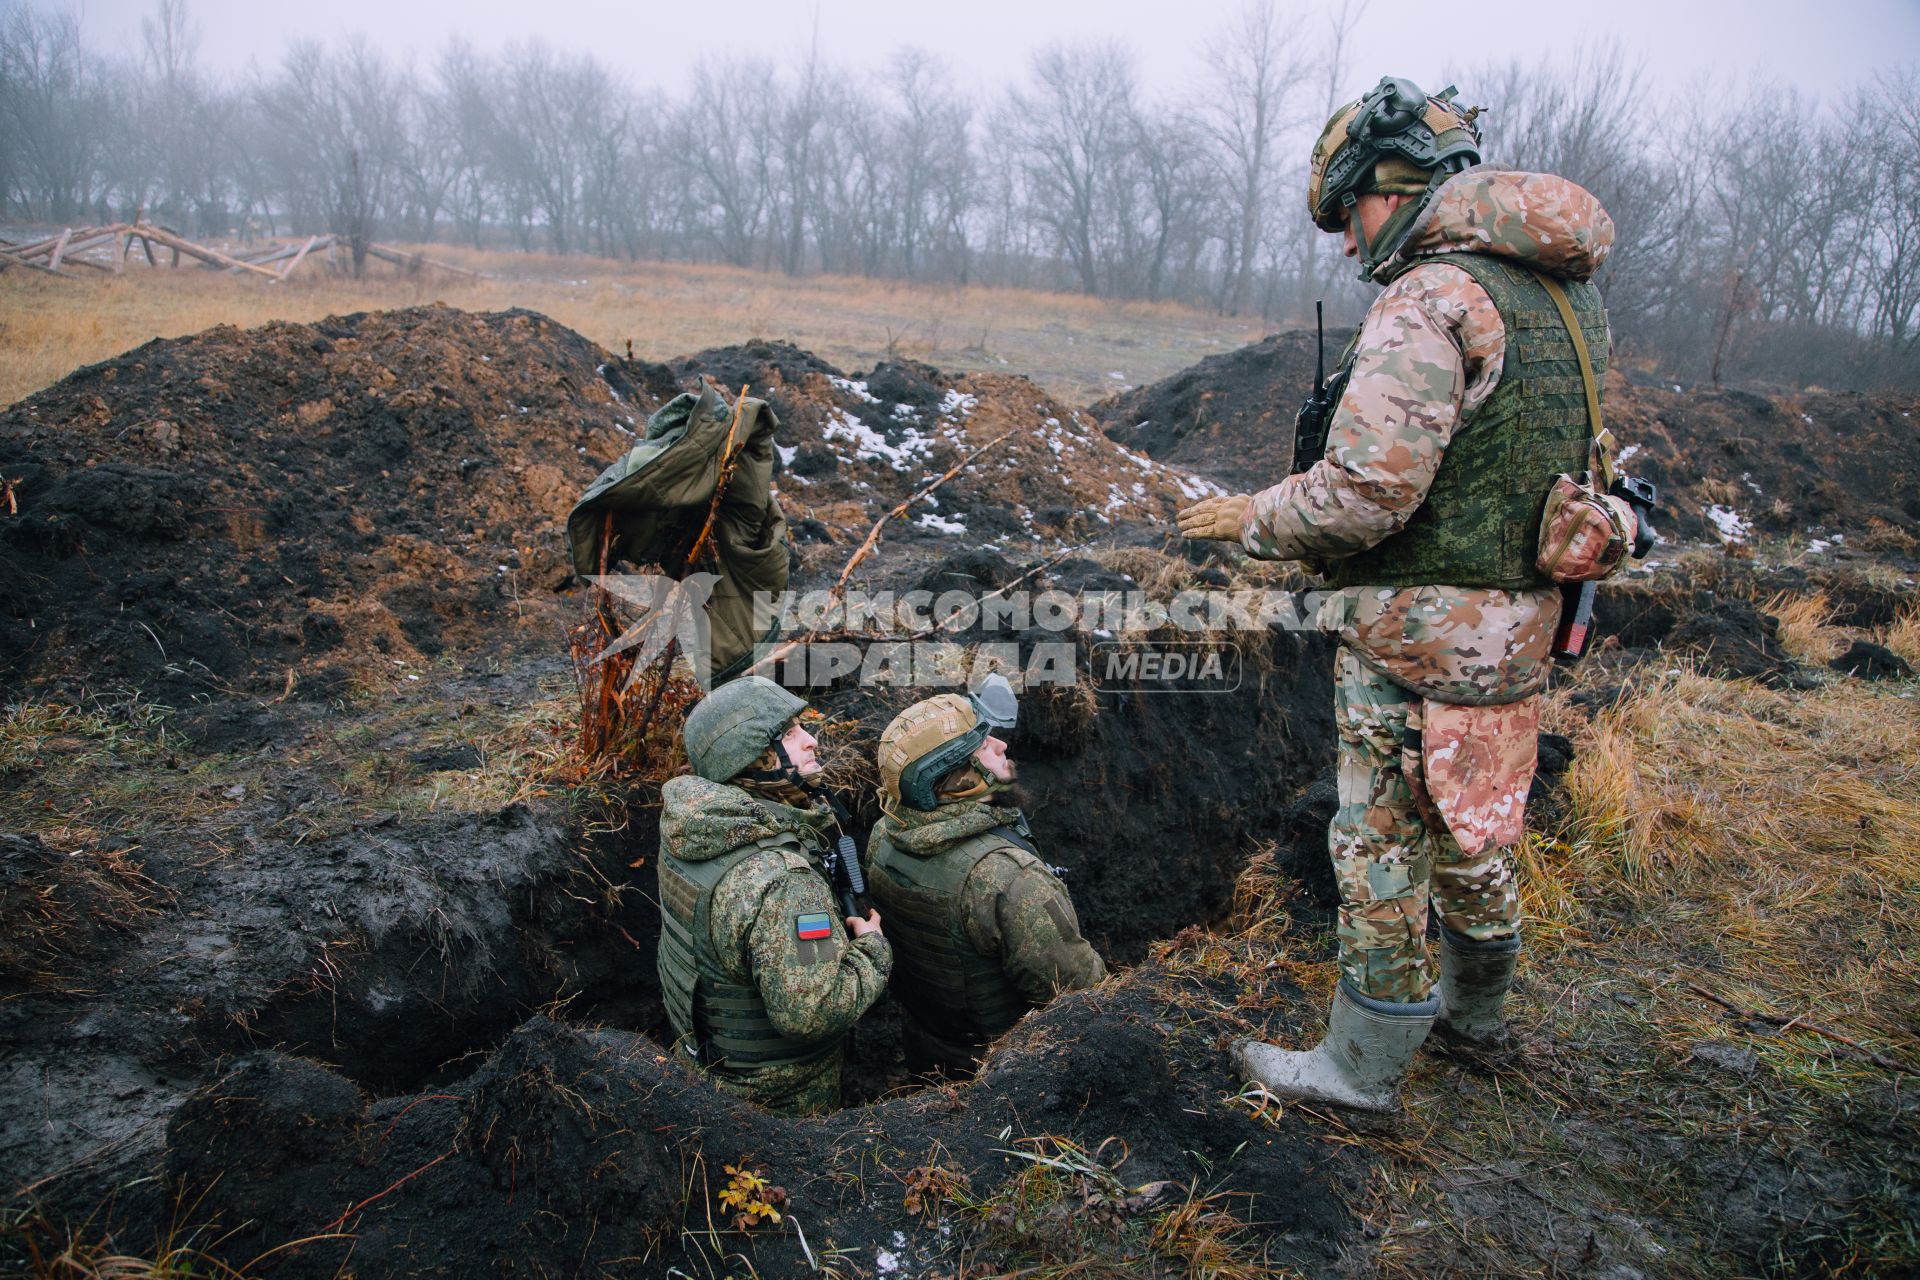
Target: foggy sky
{"points": [[1821, 48]]}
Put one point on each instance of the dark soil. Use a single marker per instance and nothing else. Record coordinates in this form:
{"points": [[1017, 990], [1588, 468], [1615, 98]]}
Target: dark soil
{"points": [[1812, 463], [327, 967], [1229, 417]]}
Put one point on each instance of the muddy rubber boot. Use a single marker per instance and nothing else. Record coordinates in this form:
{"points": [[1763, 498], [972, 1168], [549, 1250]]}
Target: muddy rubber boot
{"points": [[1360, 1062], [1474, 977]]}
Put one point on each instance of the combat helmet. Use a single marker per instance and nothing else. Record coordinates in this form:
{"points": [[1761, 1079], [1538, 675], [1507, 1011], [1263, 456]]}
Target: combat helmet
{"points": [[734, 725], [930, 739], [1396, 140]]}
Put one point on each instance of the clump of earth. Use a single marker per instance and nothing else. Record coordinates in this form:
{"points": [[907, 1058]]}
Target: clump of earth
{"points": [[319, 953]]}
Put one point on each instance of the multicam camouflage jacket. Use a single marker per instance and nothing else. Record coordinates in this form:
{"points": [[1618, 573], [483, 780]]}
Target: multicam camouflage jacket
{"points": [[1429, 355], [813, 988]]}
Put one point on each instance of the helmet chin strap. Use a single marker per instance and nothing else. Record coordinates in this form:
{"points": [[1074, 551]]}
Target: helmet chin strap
{"points": [[783, 773], [1351, 203]]}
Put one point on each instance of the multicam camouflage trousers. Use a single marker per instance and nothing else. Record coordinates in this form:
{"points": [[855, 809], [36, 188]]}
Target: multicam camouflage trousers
{"points": [[1386, 854]]}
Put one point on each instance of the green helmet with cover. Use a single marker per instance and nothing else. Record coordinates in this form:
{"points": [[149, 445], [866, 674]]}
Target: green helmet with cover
{"points": [[1397, 140], [732, 727], [932, 738]]}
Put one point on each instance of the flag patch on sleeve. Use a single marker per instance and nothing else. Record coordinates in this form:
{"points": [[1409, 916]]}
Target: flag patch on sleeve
{"points": [[813, 925]]}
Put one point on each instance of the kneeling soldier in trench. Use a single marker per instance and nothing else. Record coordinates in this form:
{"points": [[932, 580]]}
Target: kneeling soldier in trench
{"points": [[1467, 390], [760, 980], [983, 929]]}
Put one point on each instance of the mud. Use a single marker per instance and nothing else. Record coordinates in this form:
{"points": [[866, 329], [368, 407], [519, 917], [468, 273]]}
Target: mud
{"points": [[315, 962]]}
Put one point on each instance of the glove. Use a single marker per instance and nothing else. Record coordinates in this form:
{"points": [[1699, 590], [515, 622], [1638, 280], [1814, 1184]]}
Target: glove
{"points": [[1223, 519]]}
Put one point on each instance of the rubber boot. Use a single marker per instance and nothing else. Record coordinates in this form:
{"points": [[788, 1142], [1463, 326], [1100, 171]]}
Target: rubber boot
{"points": [[1474, 977], [1360, 1062]]}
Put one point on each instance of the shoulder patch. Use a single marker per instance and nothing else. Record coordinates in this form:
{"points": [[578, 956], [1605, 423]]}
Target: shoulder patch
{"points": [[811, 925]]}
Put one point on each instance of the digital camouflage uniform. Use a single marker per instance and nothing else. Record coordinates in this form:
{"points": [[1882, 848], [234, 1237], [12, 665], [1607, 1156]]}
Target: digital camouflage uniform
{"points": [[983, 928], [775, 934], [1437, 687]]}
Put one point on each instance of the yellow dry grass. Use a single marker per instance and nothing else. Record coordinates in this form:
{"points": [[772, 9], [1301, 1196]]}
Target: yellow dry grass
{"points": [[1903, 635], [1070, 344], [1806, 626]]}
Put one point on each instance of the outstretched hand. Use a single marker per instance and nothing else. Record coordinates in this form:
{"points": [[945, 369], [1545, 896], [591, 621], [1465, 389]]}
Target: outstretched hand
{"points": [[869, 925], [1223, 518]]}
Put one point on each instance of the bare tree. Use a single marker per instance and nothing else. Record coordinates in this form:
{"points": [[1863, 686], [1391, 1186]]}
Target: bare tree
{"points": [[1251, 68], [1072, 128]]}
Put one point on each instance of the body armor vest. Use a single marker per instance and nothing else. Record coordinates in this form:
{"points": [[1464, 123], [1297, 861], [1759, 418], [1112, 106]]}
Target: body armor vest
{"points": [[938, 975], [1480, 523], [725, 1021]]}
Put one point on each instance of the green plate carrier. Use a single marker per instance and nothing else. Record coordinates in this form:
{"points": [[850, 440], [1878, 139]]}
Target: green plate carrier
{"points": [[725, 1021], [944, 983], [1481, 521]]}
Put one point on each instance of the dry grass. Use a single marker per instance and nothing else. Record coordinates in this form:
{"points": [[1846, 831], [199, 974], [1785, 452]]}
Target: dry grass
{"points": [[1806, 626], [1903, 635], [1068, 343]]}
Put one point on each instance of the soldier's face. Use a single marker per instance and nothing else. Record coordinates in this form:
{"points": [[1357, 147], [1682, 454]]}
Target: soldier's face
{"points": [[992, 755], [1373, 212], [801, 750]]}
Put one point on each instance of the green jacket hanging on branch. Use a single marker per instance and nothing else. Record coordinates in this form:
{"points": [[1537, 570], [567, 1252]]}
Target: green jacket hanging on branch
{"points": [[656, 500]]}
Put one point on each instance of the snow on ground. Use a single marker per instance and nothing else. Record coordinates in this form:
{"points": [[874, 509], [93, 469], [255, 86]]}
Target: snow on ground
{"points": [[1728, 522]]}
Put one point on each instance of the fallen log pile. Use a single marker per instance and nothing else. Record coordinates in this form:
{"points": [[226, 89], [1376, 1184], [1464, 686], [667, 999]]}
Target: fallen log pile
{"points": [[80, 247]]}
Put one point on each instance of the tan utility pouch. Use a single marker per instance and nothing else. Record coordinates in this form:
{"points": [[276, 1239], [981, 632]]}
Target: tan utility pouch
{"points": [[1584, 534], [1585, 531]]}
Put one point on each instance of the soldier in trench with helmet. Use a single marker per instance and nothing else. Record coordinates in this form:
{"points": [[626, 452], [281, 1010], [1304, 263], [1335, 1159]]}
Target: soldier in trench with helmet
{"points": [[761, 974], [1468, 389], [983, 929]]}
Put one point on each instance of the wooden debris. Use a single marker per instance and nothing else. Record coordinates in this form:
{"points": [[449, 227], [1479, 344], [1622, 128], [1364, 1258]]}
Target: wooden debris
{"points": [[57, 254]]}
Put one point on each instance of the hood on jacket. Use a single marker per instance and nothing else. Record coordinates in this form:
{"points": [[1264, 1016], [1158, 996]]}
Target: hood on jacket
{"points": [[1540, 219], [926, 834], [701, 819]]}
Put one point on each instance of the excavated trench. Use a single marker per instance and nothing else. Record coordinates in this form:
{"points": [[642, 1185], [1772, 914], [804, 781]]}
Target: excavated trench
{"points": [[1150, 801]]}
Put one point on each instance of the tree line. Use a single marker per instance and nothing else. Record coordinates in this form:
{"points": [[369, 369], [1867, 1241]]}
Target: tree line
{"points": [[1760, 234]]}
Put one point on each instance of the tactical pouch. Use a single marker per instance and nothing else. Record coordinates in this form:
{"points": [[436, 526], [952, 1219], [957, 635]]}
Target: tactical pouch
{"points": [[1585, 531], [1584, 534]]}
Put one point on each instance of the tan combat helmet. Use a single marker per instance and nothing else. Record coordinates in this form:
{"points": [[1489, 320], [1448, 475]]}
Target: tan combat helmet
{"points": [[930, 739], [1396, 140]]}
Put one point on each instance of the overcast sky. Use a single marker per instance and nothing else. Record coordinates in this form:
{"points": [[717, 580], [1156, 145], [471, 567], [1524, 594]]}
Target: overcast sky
{"points": [[1821, 47]]}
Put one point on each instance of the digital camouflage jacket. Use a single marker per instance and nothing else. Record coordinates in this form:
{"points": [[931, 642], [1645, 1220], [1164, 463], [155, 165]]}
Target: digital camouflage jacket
{"points": [[1005, 912], [763, 913], [1430, 354]]}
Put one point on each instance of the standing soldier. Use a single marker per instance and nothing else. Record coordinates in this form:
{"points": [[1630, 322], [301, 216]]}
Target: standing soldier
{"points": [[983, 928], [761, 983], [1464, 399]]}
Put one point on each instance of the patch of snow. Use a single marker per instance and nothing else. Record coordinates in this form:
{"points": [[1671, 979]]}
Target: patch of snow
{"points": [[957, 404], [1626, 454], [1728, 522], [1116, 375], [1056, 446], [787, 454], [1819, 546], [1676, 386], [872, 446], [858, 390], [1196, 488], [940, 524], [1746, 478], [903, 412], [1053, 422]]}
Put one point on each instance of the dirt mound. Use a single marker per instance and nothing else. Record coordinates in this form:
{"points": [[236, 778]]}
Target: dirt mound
{"points": [[218, 511], [320, 504], [578, 1145], [1729, 463], [1229, 417], [852, 446]]}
